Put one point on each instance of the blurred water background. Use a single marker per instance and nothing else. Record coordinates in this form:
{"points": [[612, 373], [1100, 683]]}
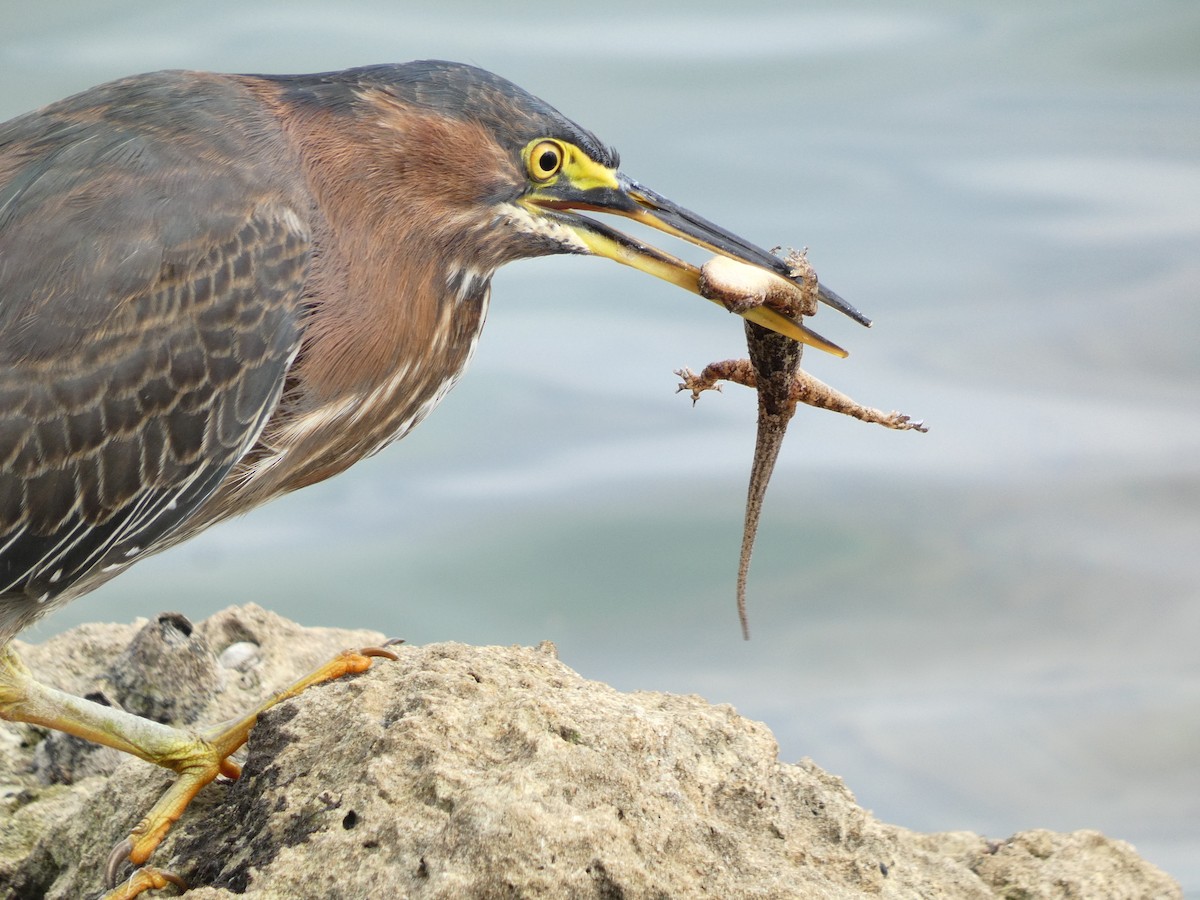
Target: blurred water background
{"points": [[990, 627]]}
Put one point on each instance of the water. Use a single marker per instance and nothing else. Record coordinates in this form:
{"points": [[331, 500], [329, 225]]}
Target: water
{"points": [[989, 627]]}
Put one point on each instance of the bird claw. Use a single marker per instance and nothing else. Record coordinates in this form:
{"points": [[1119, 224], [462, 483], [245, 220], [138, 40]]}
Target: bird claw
{"points": [[382, 652], [146, 878], [117, 857]]}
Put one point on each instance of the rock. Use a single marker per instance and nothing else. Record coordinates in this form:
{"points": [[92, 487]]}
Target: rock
{"points": [[493, 772], [167, 673]]}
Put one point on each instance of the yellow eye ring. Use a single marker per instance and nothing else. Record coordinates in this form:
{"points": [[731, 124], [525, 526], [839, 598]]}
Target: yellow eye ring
{"points": [[545, 159]]}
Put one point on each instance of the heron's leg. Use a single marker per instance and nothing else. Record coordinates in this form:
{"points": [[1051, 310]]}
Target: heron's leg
{"points": [[196, 756], [24, 699]]}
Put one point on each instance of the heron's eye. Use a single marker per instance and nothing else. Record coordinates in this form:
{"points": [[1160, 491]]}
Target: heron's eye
{"points": [[545, 159]]}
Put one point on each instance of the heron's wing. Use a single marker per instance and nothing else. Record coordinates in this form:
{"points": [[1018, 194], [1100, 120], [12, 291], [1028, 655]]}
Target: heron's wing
{"points": [[150, 305]]}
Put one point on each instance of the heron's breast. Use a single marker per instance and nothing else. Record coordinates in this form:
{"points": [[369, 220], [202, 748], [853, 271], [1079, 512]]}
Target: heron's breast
{"points": [[307, 442]]}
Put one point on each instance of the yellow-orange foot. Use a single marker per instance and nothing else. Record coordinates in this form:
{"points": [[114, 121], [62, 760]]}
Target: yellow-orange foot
{"points": [[196, 756], [144, 879]]}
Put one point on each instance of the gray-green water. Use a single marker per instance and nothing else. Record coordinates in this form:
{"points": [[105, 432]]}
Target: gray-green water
{"points": [[993, 626]]}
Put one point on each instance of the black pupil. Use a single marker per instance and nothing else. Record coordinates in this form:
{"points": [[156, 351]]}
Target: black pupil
{"points": [[548, 160]]}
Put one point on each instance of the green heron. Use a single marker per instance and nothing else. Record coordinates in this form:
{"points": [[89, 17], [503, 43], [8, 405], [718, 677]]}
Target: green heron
{"points": [[215, 289]]}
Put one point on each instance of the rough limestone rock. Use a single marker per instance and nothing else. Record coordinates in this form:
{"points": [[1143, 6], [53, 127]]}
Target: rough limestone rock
{"points": [[469, 772]]}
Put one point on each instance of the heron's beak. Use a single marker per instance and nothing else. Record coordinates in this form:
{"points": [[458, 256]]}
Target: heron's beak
{"points": [[623, 196]]}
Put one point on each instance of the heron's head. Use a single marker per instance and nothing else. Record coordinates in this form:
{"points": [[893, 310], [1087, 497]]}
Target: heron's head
{"points": [[513, 177]]}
